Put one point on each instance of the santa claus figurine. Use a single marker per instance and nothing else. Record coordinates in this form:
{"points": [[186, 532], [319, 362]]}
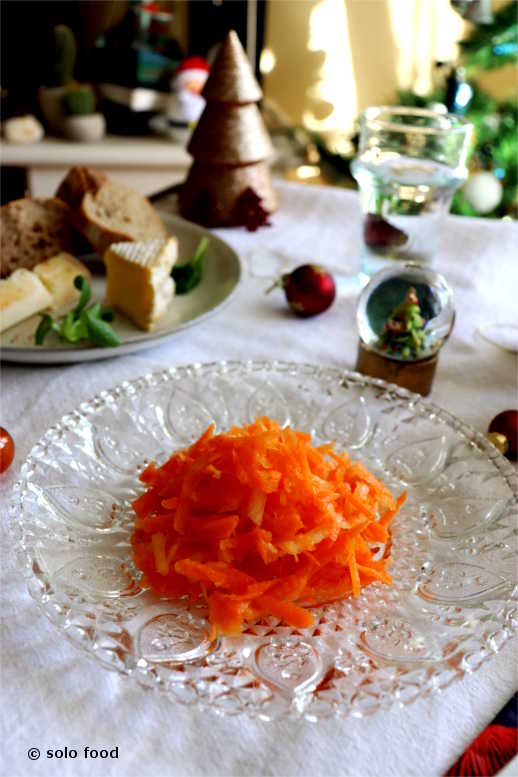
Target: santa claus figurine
{"points": [[186, 103]]}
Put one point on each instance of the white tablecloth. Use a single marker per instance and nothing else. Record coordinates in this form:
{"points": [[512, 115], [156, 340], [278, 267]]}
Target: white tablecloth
{"points": [[54, 696]]}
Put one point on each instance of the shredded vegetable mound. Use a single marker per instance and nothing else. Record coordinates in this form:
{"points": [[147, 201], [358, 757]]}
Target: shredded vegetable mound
{"points": [[261, 522]]}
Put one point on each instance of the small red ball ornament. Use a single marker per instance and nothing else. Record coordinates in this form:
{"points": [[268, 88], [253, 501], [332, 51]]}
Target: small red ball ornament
{"points": [[506, 424], [309, 290], [6, 449]]}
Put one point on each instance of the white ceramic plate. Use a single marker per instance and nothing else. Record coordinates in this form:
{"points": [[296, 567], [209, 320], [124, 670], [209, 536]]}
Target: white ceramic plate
{"points": [[222, 273]]}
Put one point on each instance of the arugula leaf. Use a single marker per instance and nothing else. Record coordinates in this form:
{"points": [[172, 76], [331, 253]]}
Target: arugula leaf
{"points": [[81, 323], [107, 314], [73, 330], [46, 325], [83, 286], [100, 332], [187, 276], [95, 310]]}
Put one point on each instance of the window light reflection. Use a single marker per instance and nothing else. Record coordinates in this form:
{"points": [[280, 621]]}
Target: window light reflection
{"points": [[328, 32]]}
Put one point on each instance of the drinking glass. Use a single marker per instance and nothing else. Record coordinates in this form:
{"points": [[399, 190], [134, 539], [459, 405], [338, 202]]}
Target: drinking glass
{"points": [[410, 162]]}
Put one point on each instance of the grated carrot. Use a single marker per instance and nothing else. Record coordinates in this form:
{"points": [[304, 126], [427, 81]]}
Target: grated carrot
{"points": [[260, 522]]}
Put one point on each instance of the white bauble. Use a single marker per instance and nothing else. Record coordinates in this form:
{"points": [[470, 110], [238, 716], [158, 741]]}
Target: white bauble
{"points": [[483, 191]]}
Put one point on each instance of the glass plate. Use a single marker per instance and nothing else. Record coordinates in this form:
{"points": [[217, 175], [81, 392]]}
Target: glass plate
{"points": [[454, 598]]}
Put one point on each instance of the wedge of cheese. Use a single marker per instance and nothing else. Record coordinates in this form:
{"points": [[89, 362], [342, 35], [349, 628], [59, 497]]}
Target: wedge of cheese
{"points": [[139, 282], [21, 295], [57, 275]]}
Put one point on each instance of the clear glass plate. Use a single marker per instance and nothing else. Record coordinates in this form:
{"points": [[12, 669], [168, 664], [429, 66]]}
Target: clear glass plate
{"points": [[454, 599]]}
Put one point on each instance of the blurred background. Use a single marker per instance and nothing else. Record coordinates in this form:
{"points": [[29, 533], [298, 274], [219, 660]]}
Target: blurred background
{"points": [[139, 67]]}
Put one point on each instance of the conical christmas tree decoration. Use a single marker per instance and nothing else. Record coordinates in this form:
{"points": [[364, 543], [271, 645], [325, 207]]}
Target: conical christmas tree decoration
{"points": [[235, 135], [229, 183], [231, 79]]}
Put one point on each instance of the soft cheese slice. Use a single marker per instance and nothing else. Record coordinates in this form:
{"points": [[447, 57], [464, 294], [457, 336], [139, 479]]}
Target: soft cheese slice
{"points": [[139, 282], [57, 275], [21, 296]]}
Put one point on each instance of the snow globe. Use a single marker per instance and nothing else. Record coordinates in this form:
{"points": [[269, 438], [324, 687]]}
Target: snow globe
{"points": [[404, 316]]}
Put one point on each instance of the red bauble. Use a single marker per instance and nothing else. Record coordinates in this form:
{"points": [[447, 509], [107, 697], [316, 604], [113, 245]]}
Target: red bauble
{"points": [[309, 289], [6, 449], [488, 753], [506, 423]]}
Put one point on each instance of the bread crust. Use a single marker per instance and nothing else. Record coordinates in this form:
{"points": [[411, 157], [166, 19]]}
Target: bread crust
{"points": [[33, 230], [85, 190], [100, 234], [77, 182]]}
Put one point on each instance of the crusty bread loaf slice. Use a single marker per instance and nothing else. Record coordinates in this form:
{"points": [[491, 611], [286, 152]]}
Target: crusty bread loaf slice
{"points": [[33, 230], [77, 182], [116, 213]]}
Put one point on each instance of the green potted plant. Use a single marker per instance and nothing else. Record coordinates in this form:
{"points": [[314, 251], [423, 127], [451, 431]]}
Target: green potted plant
{"points": [[50, 96], [82, 123], [68, 107]]}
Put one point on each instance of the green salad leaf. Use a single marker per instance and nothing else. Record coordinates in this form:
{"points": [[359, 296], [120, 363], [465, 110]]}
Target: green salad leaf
{"points": [[187, 276], [99, 331], [46, 325], [82, 323]]}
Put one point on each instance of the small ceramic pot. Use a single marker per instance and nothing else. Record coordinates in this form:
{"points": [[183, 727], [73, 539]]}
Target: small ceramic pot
{"points": [[85, 129]]}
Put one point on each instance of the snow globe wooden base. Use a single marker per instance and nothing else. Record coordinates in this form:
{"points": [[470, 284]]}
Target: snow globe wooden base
{"points": [[405, 315], [415, 376]]}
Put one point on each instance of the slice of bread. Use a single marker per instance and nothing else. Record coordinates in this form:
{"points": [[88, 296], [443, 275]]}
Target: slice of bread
{"points": [[57, 275], [107, 212], [21, 296], [33, 230], [77, 182], [117, 213]]}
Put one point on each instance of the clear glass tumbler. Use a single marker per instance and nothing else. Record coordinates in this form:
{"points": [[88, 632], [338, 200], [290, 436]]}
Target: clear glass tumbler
{"points": [[409, 164]]}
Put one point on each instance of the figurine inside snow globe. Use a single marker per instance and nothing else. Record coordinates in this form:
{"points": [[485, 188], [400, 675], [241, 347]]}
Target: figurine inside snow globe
{"points": [[404, 316]]}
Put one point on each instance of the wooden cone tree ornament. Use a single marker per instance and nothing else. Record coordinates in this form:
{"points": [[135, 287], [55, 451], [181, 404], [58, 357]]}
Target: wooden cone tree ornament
{"points": [[229, 183]]}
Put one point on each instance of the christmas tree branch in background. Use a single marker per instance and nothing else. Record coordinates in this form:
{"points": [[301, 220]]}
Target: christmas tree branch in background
{"points": [[492, 45], [492, 190]]}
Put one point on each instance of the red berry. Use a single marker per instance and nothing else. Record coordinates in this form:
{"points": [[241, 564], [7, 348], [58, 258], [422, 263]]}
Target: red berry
{"points": [[506, 423], [309, 290], [380, 234], [6, 449]]}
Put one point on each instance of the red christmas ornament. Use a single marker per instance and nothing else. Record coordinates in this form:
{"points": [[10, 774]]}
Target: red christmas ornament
{"points": [[6, 449], [380, 234], [506, 423], [309, 290], [487, 754]]}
